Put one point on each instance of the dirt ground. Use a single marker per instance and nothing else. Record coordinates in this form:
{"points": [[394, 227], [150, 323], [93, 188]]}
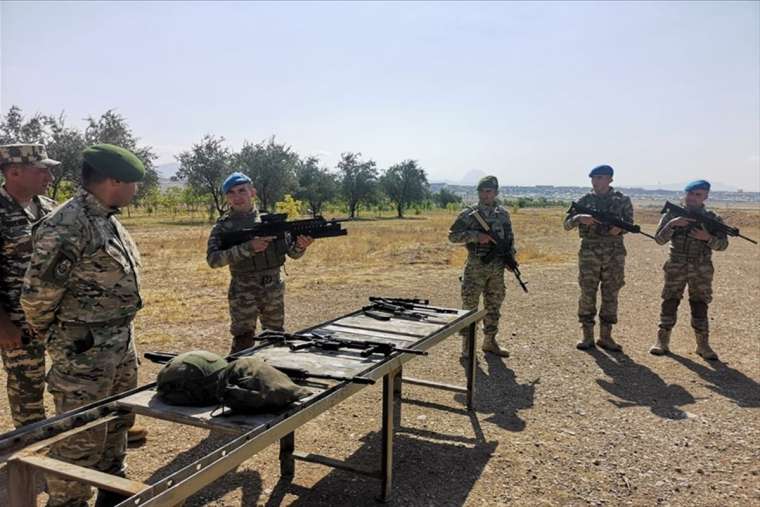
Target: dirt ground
{"points": [[552, 425]]}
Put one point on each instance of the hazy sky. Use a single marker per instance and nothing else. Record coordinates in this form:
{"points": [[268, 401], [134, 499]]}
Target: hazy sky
{"points": [[536, 93]]}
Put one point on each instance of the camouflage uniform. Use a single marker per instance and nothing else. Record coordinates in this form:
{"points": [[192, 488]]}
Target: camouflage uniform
{"points": [[82, 291], [257, 290], [480, 277], [601, 261], [24, 366], [690, 263]]}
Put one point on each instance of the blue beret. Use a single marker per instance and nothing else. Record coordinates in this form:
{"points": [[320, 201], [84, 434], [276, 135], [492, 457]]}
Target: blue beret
{"points": [[234, 179], [697, 185], [602, 169]]}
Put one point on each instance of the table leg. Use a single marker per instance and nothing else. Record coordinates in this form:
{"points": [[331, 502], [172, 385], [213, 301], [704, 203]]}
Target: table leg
{"points": [[386, 466], [287, 462], [21, 492], [472, 362]]}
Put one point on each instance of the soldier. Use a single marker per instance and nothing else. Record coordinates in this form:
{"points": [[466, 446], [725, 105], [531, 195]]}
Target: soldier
{"points": [[26, 170], [82, 291], [256, 288], [480, 277], [689, 264], [601, 259]]}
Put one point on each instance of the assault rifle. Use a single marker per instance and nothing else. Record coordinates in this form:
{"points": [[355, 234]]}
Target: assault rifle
{"points": [[276, 224], [711, 224], [384, 310], [607, 219], [328, 341], [502, 249], [297, 374], [410, 304]]}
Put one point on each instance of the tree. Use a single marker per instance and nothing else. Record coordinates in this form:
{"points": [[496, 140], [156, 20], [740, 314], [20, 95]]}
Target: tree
{"points": [[444, 197], [204, 168], [271, 167], [316, 185], [358, 180], [112, 128], [65, 145], [15, 129], [405, 183]]}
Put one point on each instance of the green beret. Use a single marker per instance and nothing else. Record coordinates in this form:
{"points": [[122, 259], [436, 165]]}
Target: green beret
{"points": [[488, 182], [114, 162]]}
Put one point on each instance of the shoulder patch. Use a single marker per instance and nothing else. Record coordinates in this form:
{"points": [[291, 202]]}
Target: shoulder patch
{"points": [[59, 269]]}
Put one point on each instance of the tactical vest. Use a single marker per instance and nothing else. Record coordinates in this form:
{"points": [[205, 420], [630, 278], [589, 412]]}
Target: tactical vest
{"points": [[682, 246], [613, 203], [271, 258], [500, 224]]}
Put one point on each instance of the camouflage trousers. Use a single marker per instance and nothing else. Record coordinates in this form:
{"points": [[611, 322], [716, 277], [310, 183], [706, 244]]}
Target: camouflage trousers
{"points": [[90, 363], [600, 264], [679, 273], [256, 295], [25, 370], [486, 280]]}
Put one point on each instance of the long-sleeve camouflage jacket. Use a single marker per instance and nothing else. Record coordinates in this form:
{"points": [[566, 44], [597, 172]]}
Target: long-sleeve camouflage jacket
{"points": [[241, 258], [84, 267], [613, 202], [466, 228], [16, 250], [683, 246]]}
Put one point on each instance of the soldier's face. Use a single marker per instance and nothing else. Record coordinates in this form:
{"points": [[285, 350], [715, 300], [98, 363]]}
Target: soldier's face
{"points": [[32, 179], [240, 197], [122, 193], [487, 195], [601, 182], [695, 198]]}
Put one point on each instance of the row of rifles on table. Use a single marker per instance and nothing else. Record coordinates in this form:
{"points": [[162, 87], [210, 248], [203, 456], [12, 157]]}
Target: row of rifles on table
{"points": [[381, 308]]}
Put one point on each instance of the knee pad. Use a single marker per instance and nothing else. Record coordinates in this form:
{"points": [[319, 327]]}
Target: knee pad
{"points": [[670, 306], [698, 309]]}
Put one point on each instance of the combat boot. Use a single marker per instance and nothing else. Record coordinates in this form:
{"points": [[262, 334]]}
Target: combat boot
{"points": [[587, 341], [605, 339], [662, 346], [490, 345], [242, 342], [137, 433], [703, 347]]}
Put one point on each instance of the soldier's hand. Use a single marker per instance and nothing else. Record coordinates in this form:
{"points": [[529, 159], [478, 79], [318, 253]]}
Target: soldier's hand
{"points": [[586, 219], [484, 238], [303, 242], [10, 337], [700, 234], [680, 222], [261, 244], [614, 231]]}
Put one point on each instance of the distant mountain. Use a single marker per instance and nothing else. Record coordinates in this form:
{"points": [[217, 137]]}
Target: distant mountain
{"points": [[167, 170]]}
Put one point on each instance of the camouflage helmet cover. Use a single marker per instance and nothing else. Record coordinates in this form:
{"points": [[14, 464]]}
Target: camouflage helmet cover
{"points": [[488, 182], [26, 153]]}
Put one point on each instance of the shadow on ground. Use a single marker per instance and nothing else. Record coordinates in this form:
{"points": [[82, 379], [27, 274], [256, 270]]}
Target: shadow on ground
{"points": [[635, 385], [725, 381]]}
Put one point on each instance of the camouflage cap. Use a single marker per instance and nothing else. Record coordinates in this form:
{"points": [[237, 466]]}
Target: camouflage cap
{"points": [[114, 162], [25, 154], [488, 182]]}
